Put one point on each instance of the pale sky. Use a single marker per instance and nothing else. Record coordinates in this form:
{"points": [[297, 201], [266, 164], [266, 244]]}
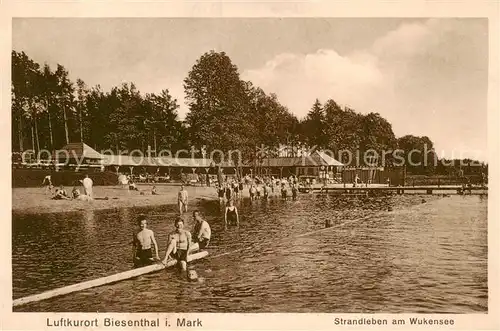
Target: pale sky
{"points": [[425, 76]]}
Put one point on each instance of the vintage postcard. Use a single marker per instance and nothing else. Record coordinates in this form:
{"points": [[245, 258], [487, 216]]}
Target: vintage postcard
{"points": [[241, 166]]}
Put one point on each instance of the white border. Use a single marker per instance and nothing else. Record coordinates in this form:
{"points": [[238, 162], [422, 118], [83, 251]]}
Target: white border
{"points": [[357, 8]]}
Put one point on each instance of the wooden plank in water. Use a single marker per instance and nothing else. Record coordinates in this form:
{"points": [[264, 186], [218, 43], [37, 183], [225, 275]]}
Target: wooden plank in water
{"points": [[103, 281]]}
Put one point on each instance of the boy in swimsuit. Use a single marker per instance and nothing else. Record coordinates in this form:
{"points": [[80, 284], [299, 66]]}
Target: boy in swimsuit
{"points": [[178, 245], [182, 200], [143, 253], [201, 232]]}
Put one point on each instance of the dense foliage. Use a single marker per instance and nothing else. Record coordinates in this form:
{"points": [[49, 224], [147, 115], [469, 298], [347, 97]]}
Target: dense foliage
{"points": [[49, 111], [225, 113]]}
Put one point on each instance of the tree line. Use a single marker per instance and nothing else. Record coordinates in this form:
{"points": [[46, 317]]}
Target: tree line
{"points": [[224, 113]]}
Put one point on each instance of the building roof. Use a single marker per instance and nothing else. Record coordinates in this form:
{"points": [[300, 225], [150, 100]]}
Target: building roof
{"points": [[127, 160], [329, 160], [81, 150], [316, 159], [77, 150], [183, 162]]}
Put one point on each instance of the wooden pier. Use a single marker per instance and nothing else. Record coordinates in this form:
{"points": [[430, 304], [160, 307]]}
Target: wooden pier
{"points": [[363, 190]]}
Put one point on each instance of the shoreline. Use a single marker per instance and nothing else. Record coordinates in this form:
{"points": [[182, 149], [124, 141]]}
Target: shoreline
{"points": [[37, 200], [29, 201]]}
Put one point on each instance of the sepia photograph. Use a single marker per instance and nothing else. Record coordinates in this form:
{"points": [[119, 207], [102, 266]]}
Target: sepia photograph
{"points": [[249, 165]]}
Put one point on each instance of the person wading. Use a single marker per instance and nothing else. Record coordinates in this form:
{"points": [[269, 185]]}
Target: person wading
{"points": [[143, 253], [231, 216], [220, 193], [178, 245], [294, 192], [229, 191], [182, 200], [201, 232]]}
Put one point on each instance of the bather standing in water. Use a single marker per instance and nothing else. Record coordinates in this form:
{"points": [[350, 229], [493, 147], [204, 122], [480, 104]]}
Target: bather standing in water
{"points": [[294, 192], [229, 191], [231, 216], [179, 243], [182, 200], [266, 190], [143, 253], [154, 191], [284, 192], [253, 191], [220, 193], [201, 232]]}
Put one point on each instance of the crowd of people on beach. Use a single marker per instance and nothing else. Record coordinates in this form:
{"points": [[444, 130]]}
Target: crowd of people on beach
{"points": [[258, 188]]}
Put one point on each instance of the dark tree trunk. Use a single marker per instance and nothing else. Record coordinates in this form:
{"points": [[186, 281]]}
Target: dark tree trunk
{"points": [[50, 125], [20, 133], [32, 137], [81, 125], [37, 138], [66, 124]]}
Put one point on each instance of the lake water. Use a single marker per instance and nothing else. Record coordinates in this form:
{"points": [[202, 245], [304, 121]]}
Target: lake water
{"points": [[384, 255]]}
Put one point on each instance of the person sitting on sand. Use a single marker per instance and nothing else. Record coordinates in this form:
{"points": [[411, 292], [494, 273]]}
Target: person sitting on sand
{"points": [[61, 194], [132, 186], [82, 197], [75, 192], [153, 191], [142, 250]]}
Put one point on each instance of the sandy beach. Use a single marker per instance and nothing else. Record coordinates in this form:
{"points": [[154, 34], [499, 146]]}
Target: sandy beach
{"points": [[36, 200]]}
